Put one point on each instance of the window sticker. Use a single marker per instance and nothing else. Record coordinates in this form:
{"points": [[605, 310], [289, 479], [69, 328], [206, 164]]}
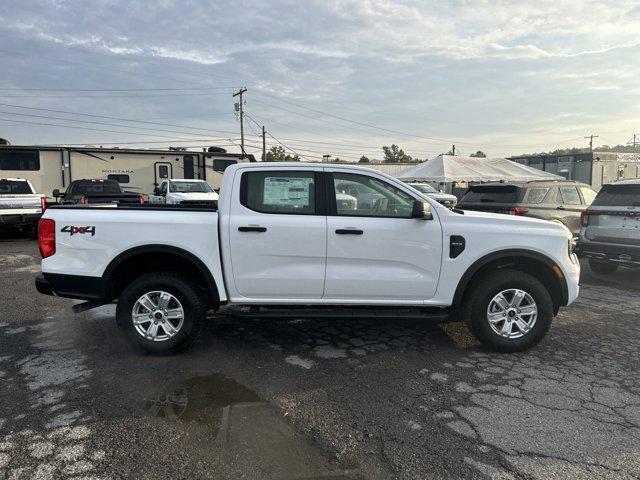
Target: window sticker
{"points": [[287, 191]]}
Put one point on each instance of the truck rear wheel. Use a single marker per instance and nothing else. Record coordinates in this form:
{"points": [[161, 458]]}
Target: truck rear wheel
{"points": [[161, 312], [508, 310]]}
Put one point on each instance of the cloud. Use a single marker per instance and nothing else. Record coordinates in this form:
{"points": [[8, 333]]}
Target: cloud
{"points": [[455, 70]]}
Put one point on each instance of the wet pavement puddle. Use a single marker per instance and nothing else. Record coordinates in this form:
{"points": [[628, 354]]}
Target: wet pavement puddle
{"points": [[241, 422]]}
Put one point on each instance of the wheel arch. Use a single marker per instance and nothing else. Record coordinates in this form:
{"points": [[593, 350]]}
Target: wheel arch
{"points": [[533, 263], [127, 265]]}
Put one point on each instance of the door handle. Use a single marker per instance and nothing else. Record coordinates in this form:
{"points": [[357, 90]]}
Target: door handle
{"points": [[349, 231], [560, 207], [252, 229]]}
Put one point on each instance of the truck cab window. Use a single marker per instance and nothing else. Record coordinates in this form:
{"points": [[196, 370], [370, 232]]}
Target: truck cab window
{"points": [[364, 196], [284, 192]]}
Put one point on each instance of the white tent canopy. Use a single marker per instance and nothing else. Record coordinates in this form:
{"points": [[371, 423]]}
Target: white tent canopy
{"points": [[449, 168]]}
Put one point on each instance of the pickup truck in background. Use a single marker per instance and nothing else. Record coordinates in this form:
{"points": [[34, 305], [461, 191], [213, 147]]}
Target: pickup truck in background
{"points": [[96, 191], [283, 242], [20, 206], [185, 192]]}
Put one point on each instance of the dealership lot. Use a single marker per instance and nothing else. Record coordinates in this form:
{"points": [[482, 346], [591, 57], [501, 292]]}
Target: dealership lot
{"points": [[316, 399]]}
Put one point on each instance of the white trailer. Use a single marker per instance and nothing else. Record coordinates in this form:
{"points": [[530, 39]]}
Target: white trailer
{"points": [[137, 170]]}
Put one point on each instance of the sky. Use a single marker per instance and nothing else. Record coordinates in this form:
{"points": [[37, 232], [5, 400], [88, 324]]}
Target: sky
{"points": [[341, 78]]}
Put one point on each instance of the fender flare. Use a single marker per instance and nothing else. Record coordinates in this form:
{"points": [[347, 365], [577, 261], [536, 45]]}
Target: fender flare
{"points": [[505, 254], [160, 249]]}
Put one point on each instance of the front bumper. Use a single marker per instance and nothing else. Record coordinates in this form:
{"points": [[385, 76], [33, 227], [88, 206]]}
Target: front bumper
{"points": [[610, 252]]}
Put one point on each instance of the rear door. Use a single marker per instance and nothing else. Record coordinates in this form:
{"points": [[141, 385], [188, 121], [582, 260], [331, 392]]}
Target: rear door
{"points": [[278, 235], [569, 206], [377, 253]]}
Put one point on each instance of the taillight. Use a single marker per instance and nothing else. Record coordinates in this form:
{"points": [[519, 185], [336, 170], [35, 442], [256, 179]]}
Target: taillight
{"points": [[520, 210], [141, 199], [43, 203], [85, 200], [517, 211], [584, 217], [46, 237]]}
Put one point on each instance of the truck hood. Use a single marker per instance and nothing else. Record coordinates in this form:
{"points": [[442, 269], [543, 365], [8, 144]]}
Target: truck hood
{"points": [[195, 196], [518, 225]]}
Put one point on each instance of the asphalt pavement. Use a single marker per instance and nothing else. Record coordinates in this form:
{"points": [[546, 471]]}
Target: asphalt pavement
{"points": [[315, 399]]}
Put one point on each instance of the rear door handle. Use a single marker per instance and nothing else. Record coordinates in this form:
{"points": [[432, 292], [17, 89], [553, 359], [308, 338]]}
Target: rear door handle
{"points": [[349, 231], [252, 229]]}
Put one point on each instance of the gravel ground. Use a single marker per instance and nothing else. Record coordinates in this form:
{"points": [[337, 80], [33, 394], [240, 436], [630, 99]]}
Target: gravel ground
{"points": [[335, 399]]}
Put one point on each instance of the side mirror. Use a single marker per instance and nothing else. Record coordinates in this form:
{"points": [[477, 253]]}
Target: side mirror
{"points": [[156, 192], [421, 210], [56, 193]]}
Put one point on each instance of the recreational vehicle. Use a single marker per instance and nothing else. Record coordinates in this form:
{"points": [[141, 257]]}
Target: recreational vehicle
{"points": [[137, 170]]}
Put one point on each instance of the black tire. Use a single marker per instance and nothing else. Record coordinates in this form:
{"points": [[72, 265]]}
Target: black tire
{"points": [[184, 291], [602, 268], [480, 295]]}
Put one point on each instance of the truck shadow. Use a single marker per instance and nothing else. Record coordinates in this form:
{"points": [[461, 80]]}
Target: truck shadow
{"points": [[338, 338]]}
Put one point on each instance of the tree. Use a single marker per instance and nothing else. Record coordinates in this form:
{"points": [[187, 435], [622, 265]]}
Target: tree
{"points": [[278, 154], [364, 159], [395, 154], [479, 154]]}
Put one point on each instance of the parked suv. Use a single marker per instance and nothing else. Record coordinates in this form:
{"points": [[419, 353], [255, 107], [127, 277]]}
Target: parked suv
{"points": [[610, 228], [555, 200]]}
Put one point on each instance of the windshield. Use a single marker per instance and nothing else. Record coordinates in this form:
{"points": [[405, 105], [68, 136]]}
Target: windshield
{"points": [[618, 195], [15, 187], [190, 187], [423, 187]]}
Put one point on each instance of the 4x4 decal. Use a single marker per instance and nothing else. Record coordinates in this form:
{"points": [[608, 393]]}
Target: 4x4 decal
{"points": [[72, 230]]}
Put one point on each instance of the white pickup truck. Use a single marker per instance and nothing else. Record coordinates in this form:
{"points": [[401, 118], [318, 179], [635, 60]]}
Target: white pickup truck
{"points": [[20, 205], [183, 191], [283, 243]]}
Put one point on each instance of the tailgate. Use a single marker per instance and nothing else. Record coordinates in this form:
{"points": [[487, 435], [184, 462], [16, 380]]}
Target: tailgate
{"points": [[20, 204]]}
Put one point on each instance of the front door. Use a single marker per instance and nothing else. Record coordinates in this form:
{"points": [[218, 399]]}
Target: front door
{"points": [[278, 236], [377, 253]]}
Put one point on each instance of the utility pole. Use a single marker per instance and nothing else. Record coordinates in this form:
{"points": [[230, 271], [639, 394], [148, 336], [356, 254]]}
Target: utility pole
{"points": [[634, 141], [591, 137], [239, 93], [264, 144]]}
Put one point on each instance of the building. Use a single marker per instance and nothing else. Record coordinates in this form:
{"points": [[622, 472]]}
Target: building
{"points": [[139, 170], [593, 168]]}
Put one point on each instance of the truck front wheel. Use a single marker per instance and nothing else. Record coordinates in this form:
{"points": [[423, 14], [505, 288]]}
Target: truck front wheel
{"points": [[508, 310], [161, 312]]}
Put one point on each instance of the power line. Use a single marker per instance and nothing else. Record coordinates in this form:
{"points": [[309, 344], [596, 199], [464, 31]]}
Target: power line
{"points": [[115, 118], [116, 96], [95, 123], [94, 129], [344, 119], [113, 89]]}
